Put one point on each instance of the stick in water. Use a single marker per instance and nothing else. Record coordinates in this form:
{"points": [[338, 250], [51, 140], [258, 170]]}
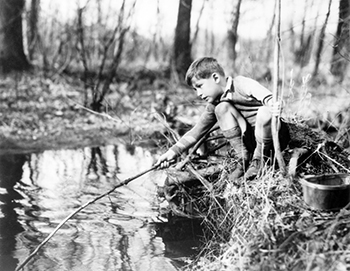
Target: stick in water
{"points": [[125, 182]]}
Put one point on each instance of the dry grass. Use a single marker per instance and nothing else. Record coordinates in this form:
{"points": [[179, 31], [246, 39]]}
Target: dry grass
{"points": [[265, 225]]}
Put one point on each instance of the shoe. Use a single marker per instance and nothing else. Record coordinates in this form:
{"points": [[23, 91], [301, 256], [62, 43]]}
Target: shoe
{"points": [[253, 170], [239, 170]]}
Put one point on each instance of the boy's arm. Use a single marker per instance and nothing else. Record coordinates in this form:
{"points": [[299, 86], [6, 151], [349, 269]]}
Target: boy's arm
{"points": [[253, 88], [206, 121]]}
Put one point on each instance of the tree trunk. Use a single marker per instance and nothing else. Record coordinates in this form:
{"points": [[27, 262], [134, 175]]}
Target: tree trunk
{"points": [[12, 55], [33, 34], [303, 52], [269, 42], [232, 33], [321, 41], [182, 45], [195, 35], [341, 47]]}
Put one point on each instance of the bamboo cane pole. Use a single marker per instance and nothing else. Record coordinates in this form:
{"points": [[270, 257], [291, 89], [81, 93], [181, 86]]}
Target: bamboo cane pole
{"points": [[125, 182], [275, 125]]}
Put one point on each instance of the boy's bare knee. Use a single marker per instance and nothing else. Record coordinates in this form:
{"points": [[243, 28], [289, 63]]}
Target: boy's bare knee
{"points": [[263, 116], [224, 108]]}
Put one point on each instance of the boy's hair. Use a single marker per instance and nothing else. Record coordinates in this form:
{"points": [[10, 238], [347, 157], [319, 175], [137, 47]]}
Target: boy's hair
{"points": [[203, 68]]}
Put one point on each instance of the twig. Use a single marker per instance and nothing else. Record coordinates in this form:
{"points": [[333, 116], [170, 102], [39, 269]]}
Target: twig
{"points": [[325, 153], [195, 147], [125, 182], [97, 113], [275, 95], [335, 162], [204, 181], [105, 115]]}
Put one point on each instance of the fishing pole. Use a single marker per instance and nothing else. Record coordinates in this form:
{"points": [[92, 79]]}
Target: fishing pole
{"points": [[125, 182]]}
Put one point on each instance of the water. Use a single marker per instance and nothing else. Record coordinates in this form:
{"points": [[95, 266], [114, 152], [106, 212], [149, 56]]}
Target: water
{"points": [[122, 231]]}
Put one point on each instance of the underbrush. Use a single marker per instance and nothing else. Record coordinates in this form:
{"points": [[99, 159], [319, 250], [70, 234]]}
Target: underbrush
{"points": [[265, 225]]}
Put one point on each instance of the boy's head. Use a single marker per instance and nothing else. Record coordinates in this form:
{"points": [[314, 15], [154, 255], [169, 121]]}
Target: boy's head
{"points": [[203, 68], [207, 78]]}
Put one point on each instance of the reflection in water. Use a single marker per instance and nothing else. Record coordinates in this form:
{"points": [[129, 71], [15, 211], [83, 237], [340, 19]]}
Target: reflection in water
{"points": [[38, 191], [180, 236], [10, 173]]}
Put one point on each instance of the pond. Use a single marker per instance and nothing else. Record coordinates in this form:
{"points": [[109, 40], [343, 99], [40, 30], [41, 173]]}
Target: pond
{"points": [[125, 230]]}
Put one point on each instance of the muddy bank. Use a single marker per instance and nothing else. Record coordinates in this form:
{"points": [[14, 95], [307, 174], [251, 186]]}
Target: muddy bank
{"points": [[97, 134], [38, 113]]}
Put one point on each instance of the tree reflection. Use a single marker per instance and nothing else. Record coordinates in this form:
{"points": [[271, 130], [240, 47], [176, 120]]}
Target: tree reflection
{"points": [[181, 236], [97, 162], [11, 169]]}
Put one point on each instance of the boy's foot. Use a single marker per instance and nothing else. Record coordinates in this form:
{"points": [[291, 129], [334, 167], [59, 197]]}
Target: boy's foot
{"points": [[253, 170], [239, 170]]}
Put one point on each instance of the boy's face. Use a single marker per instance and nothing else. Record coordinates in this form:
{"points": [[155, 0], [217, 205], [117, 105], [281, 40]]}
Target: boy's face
{"points": [[208, 88]]}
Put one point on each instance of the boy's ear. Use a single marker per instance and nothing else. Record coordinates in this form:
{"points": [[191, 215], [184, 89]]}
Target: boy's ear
{"points": [[216, 77]]}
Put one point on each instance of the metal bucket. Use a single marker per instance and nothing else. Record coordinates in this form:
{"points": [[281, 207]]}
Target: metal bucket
{"points": [[326, 192]]}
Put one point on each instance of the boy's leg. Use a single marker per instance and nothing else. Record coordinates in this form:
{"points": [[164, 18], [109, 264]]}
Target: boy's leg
{"points": [[233, 126], [264, 144]]}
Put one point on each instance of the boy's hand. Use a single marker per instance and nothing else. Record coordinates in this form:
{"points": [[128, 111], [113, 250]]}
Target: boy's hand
{"points": [[165, 159]]}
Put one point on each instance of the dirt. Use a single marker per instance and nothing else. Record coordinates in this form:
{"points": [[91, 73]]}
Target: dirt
{"points": [[84, 130]]}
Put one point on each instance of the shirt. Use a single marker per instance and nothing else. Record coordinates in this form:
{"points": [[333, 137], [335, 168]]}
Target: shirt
{"points": [[245, 94]]}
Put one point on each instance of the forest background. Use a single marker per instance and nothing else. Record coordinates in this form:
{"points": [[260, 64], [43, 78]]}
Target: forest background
{"points": [[113, 62]]}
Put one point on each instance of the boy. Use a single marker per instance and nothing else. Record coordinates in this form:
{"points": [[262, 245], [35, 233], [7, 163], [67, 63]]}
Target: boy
{"points": [[243, 109]]}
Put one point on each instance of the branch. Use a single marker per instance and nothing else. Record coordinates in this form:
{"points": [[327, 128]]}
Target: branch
{"points": [[275, 125]]}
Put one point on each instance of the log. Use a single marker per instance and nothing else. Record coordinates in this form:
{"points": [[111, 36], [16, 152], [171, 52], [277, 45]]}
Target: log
{"points": [[179, 177]]}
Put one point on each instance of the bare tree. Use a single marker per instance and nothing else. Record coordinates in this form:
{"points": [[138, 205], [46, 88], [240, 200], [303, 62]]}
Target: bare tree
{"points": [[268, 44], [232, 33], [341, 46], [195, 35], [12, 55], [112, 48], [182, 46], [321, 41], [303, 51], [209, 36], [33, 35], [157, 41]]}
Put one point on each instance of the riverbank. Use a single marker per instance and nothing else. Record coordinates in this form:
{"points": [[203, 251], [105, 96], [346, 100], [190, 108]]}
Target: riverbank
{"points": [[40, 113]]}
